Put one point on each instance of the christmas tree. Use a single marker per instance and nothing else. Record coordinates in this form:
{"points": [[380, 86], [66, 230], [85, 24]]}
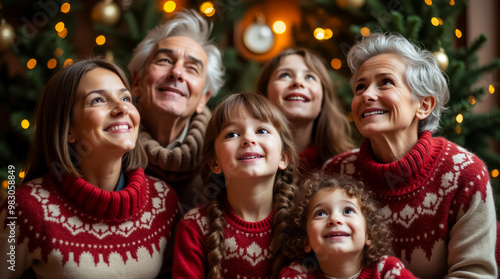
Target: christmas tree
{"points": [[34, 44]]}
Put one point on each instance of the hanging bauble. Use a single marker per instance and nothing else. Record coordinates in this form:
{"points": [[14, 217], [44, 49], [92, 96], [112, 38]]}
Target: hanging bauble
{"points": [[441, 58], [7, 35], [354, 4], [106, 12], [257, 36]]}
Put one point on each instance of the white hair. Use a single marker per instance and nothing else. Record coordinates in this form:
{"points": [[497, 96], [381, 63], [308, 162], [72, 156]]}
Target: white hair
{"points": [[187, 23], [423, 76]]}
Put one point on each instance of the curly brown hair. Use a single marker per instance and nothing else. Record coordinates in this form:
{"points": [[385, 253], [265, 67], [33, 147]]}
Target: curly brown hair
{"points": [[284, 186], [377, 230]]}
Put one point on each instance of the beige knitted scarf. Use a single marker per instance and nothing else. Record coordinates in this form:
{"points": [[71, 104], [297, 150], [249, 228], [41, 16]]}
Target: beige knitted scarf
{"points": [[182, 162]]}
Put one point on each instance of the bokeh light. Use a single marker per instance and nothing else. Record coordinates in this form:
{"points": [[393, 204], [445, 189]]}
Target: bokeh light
{"points": [[31, 63], [169, 6], [279, 27]]}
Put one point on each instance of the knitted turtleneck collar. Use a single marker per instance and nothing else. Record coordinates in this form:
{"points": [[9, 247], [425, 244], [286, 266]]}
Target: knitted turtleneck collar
{"points": [[181, 162], [105, 204], [406, 174], [232, 217]]}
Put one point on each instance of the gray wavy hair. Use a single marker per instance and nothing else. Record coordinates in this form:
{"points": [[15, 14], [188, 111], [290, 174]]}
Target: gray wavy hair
{"points": [[187, 23], [423, 76]]}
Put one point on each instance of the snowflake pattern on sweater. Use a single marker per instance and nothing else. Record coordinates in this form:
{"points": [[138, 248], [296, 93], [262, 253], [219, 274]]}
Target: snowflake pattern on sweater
{"points": [[246, 251], [76, 230], [387, 268], [437, 199]]}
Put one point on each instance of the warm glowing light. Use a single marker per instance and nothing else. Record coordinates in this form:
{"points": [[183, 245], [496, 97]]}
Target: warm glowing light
{"points": [[169, 6], [207, 8], [328, 33], [68, 62], [58, 52], [460, 118], [336, 63], [63, 33], [472, 100], [365, 31], [494, 173], [428, 2], [65, 7], [100, 40], [319, 33], [52, 63], [491, 89], [210, 13], [458, 129], [25, 124], [22, 174], [458, 33], [31, 63], [452, 2], [435, 21], [440, 21], [279, 27], [59, 26], [5, 184]]}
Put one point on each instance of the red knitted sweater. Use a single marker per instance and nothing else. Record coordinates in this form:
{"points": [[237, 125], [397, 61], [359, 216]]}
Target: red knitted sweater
{"points": [[76, 230], [387, 267], [309, 160], [439, 203], [246, 247]]}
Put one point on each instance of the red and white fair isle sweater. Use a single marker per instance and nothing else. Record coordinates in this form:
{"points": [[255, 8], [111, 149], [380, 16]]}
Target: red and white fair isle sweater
{"points": [[246, 247], [76, 230], [439, 203], [387, 267]]}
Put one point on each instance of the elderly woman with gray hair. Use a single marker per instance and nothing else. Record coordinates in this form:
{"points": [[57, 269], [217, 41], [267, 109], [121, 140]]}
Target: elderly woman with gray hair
{"points": [[434, 194]]}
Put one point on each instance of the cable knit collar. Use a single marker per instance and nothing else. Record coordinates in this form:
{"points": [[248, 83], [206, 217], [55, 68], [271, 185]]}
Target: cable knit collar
{"points": [[181, 162], [105, 204], [405, 175]]}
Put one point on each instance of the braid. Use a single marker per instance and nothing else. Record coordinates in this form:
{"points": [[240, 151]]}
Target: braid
{"points": [[214, 243], [284, 193]]}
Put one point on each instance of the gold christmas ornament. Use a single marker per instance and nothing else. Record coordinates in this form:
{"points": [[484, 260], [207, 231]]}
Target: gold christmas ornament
{"points": [[7, 35], [106, 12], [355, 4], [441, 58]]}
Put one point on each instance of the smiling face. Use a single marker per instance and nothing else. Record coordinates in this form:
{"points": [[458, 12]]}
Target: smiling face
{"points": [[173, 79], [104, 120], [295, 89], [382, 102], [248, 147], [336, 226]]}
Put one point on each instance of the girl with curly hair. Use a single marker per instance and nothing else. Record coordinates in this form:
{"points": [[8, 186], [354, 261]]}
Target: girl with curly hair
{"points": [[337, 232], [250, 152]]}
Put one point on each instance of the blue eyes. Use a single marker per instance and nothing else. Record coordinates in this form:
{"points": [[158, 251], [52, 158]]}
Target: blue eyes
{"points": [[323, 213], [284, 75], [287, 75], [98, 100]]}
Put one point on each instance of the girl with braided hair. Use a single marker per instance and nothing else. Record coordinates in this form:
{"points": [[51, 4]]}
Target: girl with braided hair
{"points": [[336, 231], [250, 152]]}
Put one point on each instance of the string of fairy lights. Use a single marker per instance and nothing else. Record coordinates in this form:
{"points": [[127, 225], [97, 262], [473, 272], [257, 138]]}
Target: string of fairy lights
{"points": [[108, 12]]}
